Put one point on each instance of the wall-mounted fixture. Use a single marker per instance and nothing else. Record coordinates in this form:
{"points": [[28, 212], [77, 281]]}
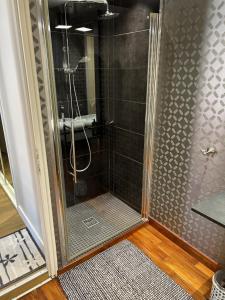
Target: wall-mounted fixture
{"points": [[210, 151]]}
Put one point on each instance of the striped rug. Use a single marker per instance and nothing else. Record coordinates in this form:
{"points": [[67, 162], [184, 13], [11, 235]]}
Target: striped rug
{"points": [[19, 256], [122, 272]]}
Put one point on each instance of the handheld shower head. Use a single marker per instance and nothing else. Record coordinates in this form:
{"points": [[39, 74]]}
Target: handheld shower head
{"points": [[84, 59]]}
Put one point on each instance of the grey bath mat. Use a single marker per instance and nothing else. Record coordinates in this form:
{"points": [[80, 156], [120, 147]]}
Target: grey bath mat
{"points": [[19, 256], [121, 272]]}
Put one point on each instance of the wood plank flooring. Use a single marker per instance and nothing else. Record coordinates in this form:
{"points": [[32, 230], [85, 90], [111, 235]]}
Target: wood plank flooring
{"points": [[7, 171], [10, 221], [184, 269]]}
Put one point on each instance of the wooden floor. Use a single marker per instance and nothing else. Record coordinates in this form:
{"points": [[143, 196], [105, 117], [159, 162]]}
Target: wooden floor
{"points": [[6, 166], [191, 274], [10, 221]]}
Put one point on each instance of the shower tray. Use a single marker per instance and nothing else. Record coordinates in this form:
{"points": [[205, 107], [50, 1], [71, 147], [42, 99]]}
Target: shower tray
{"points": [[95, 221]]}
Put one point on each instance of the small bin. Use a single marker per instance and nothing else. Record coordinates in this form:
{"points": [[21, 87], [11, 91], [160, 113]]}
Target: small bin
{"points": [[218, 287]]}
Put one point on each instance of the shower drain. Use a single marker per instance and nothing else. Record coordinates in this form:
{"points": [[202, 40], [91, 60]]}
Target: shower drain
{"points": [[90, 222]]}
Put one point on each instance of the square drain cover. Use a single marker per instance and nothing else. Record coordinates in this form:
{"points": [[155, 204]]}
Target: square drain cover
{"points": [[90, 222]]}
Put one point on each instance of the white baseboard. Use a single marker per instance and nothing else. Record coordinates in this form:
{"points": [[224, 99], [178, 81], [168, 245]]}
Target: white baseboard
{"points": [[31, 228]]}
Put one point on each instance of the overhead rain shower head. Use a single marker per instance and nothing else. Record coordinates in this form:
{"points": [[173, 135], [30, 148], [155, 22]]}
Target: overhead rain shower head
{"points": [[108, 15]]}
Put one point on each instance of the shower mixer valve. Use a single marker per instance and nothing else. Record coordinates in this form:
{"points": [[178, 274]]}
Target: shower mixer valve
{"points": [[69, 70]]}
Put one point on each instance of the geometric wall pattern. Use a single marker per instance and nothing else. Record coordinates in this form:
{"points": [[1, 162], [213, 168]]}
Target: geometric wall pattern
{"points": [[190, 116]]}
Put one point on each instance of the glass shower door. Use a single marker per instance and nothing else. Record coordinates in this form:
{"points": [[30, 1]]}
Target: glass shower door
{"points": [[101, 81]]}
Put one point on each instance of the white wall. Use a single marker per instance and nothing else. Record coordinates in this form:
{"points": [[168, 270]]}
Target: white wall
{"points": [[13, 99]]}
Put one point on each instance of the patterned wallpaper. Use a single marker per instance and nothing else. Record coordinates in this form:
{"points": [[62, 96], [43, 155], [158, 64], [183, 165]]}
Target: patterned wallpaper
{"points": [[190, 116]]}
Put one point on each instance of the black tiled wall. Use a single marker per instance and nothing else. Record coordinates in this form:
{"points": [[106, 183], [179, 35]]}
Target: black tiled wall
{"points": [[121, 78], [127, 62]]}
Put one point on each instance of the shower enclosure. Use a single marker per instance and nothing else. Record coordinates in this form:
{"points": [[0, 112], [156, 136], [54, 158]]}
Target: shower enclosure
{"points": [[100, 62]]}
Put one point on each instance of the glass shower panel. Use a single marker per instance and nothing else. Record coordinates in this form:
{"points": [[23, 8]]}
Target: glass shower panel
{"points": [[100, 66]]}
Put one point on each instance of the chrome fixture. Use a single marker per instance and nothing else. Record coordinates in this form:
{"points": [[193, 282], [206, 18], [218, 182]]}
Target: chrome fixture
{"points": [[72, 90], [53, 3], [68, 70], [210, 151], [108, 15]]}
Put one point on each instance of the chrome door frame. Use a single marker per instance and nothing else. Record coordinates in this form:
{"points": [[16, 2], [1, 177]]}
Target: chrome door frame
{"points": [[150, 115], [57, 182]]}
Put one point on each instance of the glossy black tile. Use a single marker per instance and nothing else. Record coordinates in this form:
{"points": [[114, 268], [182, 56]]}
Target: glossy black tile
{"points": [[130, 51], [104, 75], [128, 192], [133, 16], [85, 188], [130, 115], [106, 27], [127, 169], [130, 84], [62, 85], [98, 142], [78, 80], [76, 48], [57, 46], [98, 164], [64, 107], [104, 51], [129, 144]]}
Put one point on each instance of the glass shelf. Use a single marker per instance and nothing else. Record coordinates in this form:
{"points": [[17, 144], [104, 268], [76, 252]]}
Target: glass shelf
{"points": [[212, 208]]}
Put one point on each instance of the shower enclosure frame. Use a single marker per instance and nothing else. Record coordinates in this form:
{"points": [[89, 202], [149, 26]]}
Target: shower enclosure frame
{"points": [[150, 115], [49, 82]]}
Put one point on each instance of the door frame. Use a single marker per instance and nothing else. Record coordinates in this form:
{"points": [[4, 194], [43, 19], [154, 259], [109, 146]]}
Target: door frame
{"points": [[28, 69]]}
